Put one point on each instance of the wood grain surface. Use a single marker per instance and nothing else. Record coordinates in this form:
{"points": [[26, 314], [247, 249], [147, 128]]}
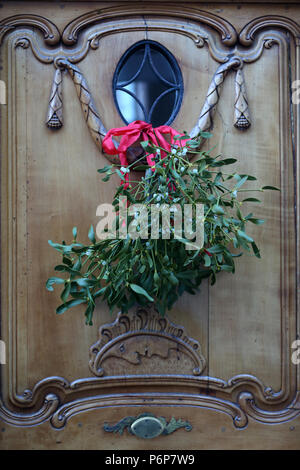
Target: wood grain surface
{"points": [[49, 184]]}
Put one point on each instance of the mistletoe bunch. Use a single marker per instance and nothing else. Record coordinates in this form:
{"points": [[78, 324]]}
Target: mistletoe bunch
{"points": [[125, 272]]}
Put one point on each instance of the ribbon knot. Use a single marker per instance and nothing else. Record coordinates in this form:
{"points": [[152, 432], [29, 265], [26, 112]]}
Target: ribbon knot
{"points": [[133, 132]]}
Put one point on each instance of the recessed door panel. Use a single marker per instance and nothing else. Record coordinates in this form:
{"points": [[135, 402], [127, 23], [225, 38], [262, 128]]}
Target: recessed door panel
{"points": [[232, 341]]}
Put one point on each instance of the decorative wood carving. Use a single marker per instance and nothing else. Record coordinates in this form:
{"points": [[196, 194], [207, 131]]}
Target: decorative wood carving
{"points": [[240, 397], [199, 35], [68, 400], [50, 31], [147, 425], [32, 418], [91, 38], [145, 343], [264, 395], [223, 27], [65, 412], [248, 404], [251, 30], [205, 120], [241, 108], [55, 115], [96, 126], [91, 115]]}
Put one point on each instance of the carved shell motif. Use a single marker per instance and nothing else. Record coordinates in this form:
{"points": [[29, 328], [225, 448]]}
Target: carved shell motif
{"points": [[144, 343]]}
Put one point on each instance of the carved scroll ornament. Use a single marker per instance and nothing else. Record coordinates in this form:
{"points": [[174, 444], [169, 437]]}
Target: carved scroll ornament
{"points": [[49, 30], [145, 343]]}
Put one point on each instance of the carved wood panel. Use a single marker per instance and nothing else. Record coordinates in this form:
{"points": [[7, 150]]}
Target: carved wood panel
{"points": [[145, 343], [232, 352]]}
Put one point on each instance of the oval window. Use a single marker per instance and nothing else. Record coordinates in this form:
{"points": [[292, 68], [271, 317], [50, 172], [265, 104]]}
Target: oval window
{"points": [[147, 84]]}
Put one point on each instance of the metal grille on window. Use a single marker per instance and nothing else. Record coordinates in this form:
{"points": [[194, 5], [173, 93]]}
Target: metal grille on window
{"points": [[148, 84]]}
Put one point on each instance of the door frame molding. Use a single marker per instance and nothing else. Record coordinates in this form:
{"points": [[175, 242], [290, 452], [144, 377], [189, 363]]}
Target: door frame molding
{"points": [[244, 395]]}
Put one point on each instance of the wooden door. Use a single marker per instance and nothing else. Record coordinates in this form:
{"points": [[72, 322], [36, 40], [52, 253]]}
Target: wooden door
{"points": [[234, 375]]}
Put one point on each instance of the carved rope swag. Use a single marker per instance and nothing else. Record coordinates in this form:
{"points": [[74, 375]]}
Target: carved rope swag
{"points": [[95, 124]]}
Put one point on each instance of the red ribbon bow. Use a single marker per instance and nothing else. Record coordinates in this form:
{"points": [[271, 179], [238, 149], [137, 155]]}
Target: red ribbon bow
{"points": [[132, 133]]}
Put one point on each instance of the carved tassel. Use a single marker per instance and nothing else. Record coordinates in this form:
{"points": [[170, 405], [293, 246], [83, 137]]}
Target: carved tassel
{"points": [[241, 107], [54, 118]]}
